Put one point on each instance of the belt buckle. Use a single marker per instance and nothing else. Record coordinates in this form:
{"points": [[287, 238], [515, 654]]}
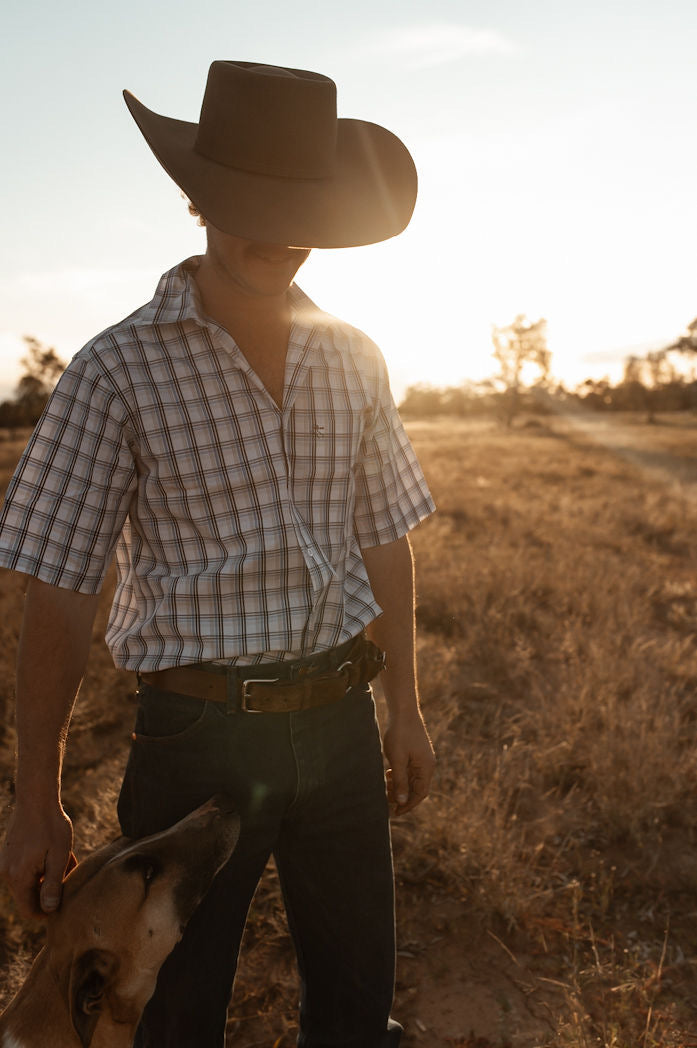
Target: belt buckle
{"points": [[245, 690]]}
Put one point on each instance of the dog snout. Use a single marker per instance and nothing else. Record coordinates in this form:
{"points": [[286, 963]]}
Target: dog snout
{"points": [[216, 821], [224, 804], [220, 803]]}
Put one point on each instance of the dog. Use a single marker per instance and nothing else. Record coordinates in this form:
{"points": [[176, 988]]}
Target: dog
{"points": [[123, 910]]}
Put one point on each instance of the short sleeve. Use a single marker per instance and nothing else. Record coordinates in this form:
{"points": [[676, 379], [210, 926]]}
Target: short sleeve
{"points": [[392, 496], [69, 497]]}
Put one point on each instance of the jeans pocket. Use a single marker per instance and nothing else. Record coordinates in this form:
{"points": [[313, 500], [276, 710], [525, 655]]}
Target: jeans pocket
{"points": [[172, 763], [167, 717]]}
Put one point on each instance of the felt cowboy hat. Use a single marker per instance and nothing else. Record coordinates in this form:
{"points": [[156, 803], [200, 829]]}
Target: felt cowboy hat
{"points": [[270, 161]]}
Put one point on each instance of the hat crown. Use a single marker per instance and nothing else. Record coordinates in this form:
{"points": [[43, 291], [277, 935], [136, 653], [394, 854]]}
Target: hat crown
{"points": [[269, 121]]}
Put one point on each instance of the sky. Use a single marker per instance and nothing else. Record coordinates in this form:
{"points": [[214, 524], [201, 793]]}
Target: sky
{"points": [[555, 143]]}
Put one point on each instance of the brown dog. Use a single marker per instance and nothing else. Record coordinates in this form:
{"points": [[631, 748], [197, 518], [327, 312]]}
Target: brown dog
{"points": [[123, 911]]}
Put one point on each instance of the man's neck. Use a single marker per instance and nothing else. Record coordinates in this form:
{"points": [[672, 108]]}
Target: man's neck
{"points": [[235, 307], [259, 324]]}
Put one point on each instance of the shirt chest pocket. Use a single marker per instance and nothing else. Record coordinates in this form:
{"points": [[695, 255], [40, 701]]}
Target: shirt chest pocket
{"points": [[324, 447]]}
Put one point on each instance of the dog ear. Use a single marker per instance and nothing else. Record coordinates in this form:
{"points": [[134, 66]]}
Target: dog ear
{"points": [[90, 976]]}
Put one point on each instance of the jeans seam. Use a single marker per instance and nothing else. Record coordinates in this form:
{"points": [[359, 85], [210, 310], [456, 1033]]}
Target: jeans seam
{"points": [[296, 761]]}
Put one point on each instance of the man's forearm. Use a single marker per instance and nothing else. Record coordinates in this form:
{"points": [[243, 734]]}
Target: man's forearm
{"points": [[391, 572], [53, 649], [405, 741]]}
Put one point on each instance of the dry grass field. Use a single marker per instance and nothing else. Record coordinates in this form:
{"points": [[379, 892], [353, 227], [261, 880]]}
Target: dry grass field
{"points": [[547, 891]]}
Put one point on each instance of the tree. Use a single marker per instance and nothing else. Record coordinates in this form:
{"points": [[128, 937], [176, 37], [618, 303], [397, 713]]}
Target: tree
{"points": [[632, 393], [42, 369], [687, 343], [521, 353], [42, 363], [659, 370], [422, 401]]}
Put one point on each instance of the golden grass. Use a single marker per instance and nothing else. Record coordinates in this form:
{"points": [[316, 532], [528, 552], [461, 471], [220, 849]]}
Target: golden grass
{"points": [[557, 606]]}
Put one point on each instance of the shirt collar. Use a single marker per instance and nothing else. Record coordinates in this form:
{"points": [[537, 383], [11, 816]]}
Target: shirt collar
{"points": [[176, 299]]}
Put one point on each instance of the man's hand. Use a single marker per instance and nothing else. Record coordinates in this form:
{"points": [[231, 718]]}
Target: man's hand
{"points": [[411, 761], [35, 857]]}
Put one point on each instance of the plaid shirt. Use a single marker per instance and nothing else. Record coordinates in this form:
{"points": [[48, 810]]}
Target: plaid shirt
{"points": [[237, 526]]}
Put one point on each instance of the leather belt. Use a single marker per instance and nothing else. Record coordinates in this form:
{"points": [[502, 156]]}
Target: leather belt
{"points": [[301, 684]]}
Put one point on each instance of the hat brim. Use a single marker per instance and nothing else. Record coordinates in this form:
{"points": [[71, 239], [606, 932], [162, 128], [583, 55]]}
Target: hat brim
{"points": [[369, 198]]}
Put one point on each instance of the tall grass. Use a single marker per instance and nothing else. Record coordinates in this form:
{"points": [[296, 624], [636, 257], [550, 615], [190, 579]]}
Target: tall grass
{"points": [[557, 608]]}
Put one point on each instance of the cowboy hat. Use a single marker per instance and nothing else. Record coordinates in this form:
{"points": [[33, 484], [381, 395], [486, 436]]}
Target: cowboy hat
{"points": [[270, 161]]}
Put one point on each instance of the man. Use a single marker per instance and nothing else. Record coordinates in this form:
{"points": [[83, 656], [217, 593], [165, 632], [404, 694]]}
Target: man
{"points": [[240, 453]]}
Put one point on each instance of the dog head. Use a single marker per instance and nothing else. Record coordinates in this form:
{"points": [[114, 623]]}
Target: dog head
{"points": [[123, 911]]}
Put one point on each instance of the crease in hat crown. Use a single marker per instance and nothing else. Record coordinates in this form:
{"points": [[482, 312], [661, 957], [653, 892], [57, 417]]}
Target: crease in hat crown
{"points": [[279, 122]]}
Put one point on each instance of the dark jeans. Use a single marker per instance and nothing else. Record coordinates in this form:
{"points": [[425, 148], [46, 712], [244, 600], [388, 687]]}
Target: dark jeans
{"points": [[310, 790]]}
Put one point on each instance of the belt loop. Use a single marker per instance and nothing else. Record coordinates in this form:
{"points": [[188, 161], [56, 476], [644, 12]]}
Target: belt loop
{"points": [[142, 686], [232, 692]]}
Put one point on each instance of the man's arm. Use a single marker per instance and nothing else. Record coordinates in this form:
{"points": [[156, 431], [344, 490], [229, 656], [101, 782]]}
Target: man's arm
{"points": [[405, 742], [53, 649]]}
